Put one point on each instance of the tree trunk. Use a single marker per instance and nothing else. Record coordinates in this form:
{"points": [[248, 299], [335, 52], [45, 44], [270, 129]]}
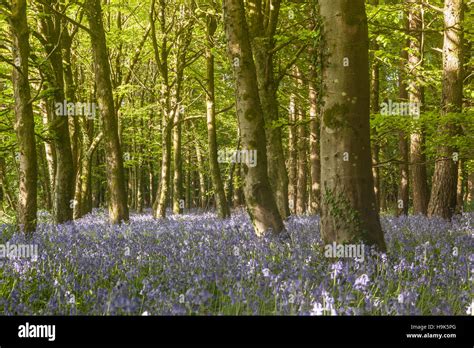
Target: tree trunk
{"points": [[219, 195], [50, 155], [315, 194], [64, 179], [118, 209], [375, 108], [24, 122], [470, 187], [460, 187], [262, 39], [177, 166], [443, 191], [293, 155], [259, 198], [302, 196], [417, 155], [403, 201], [349, 211], [202, 180]]}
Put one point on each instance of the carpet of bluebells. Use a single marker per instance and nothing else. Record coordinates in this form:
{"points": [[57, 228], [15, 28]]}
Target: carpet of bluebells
{"points": [[198, 264]]}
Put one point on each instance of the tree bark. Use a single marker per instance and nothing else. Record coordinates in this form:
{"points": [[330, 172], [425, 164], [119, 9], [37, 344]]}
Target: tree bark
{"points": [[349, 211], [302, 196], [403, 201], [24, 122], [51, 26], [259, 198], [118, 209], [417, 155], [219, 195], [315, 160], [292, 155], [177, 166], [444, 186], [375, 108], [263, 22]]}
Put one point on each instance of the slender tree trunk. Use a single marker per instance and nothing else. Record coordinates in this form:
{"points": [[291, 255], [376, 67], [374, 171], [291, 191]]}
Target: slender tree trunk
{"points": [[349, 211], [443, 191], [403, 201], [315, 160], [163, 195], [415, 94], [118, 209], [2, 181], [302, 196], [50, 156], [259, 198], [24, 122], [219, 195], [375, 108], [202, 179], [177, 166], [460, 188], [293, 155], [470, 187]]}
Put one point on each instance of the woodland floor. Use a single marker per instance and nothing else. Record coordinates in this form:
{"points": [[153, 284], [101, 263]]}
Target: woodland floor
{"points": [[198, 264]]}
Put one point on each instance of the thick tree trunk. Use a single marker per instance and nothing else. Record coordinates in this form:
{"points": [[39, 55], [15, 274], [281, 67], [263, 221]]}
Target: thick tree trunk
{"points": [[259, 198], [417, 154], [219, 195], [349, 211], [263, 21], [118, 209], [64, 180], [24, 122], [443, 191]]}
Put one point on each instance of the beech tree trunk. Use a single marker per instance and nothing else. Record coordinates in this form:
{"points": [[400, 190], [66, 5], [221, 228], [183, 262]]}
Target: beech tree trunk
{"points": [[444, 186], [375, 108], [349, 212], [51, 27], [263, 22], [302, 197], [417, 155], [293, 155], [177, 166], [259, 198], [24, 120], [219, 195], [315, 193], [403, 196], [118, 209]]}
